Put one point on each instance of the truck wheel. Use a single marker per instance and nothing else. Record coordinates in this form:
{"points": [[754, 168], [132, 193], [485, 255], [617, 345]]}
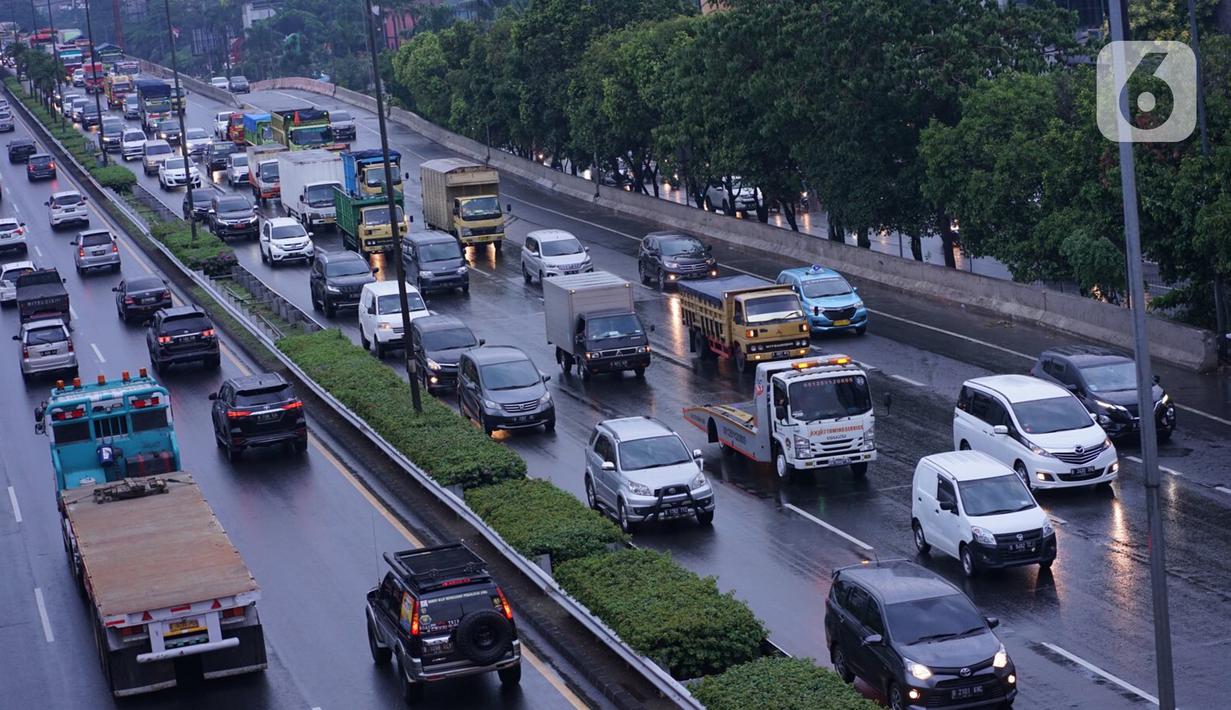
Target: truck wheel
{"points": [[741, 360], [860, 469], [380, 656], [781, 466], [363, 340], [378, 349], [584, 369]]}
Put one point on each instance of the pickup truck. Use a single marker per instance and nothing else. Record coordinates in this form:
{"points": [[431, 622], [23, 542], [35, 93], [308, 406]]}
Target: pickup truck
{"points": [[745, 318], [591, 321], [41, 294], [805, 414]]}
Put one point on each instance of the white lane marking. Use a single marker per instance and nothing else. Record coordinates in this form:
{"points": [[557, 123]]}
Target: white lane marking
{"points": [[13, 500], [908, 381], [1058, 519], [1108, 676], [1223, 489], [72, 312], [830, 528], [42, 615], [1164, 469], [38, 251], [1134, 459], [98, 353]]}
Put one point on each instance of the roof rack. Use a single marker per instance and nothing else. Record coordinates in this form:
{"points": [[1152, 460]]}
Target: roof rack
{"points": [[434, 567]]}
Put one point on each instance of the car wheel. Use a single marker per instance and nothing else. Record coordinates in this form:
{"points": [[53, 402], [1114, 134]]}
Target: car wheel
{"points": [[781, 466], [487, 428], [921, 543], [466, 289], [705, 517], [380, 656], [967, 558], [378, 349], [234, 453], [363, 340], [1020, 468], [662, 280], [838, 657], [213, 363], [591, 499], [316, 305], [584, 369], [541, 277], [964, 446], [412, 692], [510, 676], [264, 257], [896, 700], [622, 516], [525, 275], [549, 425], [1045, 564], [639, 372], [330, 309], [645, 279], [497, 246], [861, 330]]}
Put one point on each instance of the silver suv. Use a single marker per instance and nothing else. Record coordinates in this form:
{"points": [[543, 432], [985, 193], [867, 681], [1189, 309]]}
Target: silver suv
{"points": [[46, 346], [639, 470], [96, 249]]}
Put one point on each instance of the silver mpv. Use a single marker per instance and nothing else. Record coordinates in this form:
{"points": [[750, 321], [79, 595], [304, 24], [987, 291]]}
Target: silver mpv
{"points": [[46, 346], [96, 249]]}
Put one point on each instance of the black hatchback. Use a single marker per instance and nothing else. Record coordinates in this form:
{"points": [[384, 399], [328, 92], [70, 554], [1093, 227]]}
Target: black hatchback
{"points": [[258, 410], [915, 637], [40, 166], [21, 149]]}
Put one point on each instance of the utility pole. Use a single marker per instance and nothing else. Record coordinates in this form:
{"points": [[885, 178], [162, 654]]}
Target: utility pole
{"points": [[1145, 379], [118, 21], [55, 52], [98, 102], [394, 222], [175, 72]]}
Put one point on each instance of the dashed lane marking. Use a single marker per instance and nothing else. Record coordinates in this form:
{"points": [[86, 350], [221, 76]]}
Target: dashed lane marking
{"points": [[908, 381], [38, 251], [1099, 671], [42, 615], [830, 528], [1164, 469], [13, 500], [98, 353]]}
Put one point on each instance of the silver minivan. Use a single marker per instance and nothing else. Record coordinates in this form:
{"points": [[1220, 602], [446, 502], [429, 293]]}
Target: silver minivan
{"points": [[96, 249], [46, 346]]}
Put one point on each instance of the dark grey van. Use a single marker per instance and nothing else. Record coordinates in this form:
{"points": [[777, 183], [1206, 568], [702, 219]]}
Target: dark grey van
{"points": [[434, 262]]}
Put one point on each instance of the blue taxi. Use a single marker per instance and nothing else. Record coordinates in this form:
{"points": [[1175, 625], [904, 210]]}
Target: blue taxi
{"points": [[831, 303]]}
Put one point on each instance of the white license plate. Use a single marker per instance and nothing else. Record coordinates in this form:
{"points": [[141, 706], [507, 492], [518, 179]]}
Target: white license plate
{"points": [[839, 461], [47, 352], [620, 363]]}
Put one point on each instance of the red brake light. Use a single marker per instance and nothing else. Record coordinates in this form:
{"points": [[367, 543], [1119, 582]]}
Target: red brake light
{"points": [[504, 602], [25, 352], [294, 405], [151, 401], [233, 613], [164, 339], [70, 346], [114, 248], [129, 300], [237, 414], [81, 251], [128, 631], [51, 165], [207, 333]]}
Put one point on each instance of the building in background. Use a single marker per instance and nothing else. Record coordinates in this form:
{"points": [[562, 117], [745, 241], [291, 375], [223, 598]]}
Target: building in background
{"points": [[256, 10]]}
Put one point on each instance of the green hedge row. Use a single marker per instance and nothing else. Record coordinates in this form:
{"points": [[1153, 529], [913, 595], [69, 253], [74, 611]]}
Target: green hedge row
{"points": [[537, 518], [446, 446], [779, 684], [664, 611]]}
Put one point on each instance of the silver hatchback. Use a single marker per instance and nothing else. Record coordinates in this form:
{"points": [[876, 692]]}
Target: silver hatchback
{"points": [[96, 249], [46, 346]]}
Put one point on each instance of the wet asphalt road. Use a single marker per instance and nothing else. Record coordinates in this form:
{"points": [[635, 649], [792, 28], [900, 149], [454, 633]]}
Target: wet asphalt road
{"points": [[1080, 635], [308, 534]]}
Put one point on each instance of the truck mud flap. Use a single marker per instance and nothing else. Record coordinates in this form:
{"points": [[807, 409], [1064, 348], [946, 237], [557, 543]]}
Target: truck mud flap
{"points": [[129, 677]]}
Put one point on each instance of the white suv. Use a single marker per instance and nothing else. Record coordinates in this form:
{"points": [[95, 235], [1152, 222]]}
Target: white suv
{"points": [[132, 144], [12, 235], [380, 315], [153, 153], [553, 252], [67, 207], [176, 172], [1037, 428], [972, 507], [285, 239]]}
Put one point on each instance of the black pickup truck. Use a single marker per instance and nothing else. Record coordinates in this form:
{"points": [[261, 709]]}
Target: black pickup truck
{"points": [[41, 294]]}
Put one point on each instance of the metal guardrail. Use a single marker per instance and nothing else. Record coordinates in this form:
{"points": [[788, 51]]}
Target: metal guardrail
{"points": [[149, 200], [669, 687]]}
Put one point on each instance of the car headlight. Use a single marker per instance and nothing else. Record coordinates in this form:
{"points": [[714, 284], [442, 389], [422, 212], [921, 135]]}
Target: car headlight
{"points": [[488, 404], [643, 349], [432, 364], [1001, 659], [671, 264], [425, 274], [1109, 406], [639, 489], [1165, 400], [858, 305], [982, 536], [1038, 450], [698, 481], [1047, 528], [384, 326], [332, 289], [802, 446], [1106, 442], [545, 399], [466, 231], [918, 670], [462, 270]]}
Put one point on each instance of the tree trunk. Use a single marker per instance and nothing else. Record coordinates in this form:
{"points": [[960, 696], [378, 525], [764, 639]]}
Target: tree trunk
{"points": [[836, 232], [948, 239], [916, 247], [638, 181], [653, 173], [861, 238], [788, 211], [762, 210]]}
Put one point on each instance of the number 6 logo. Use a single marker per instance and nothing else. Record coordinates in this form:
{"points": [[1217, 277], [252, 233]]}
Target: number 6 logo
{"points": [[1173, 63]]}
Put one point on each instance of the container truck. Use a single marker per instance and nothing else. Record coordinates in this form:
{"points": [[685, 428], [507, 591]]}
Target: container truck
{"points": [[463, 199], [303, 129], [806, 413], [154, 101], [745, 318], [263, 175], [591, 320], [258, 129], [308, 180], [364, 221], [365, 171]]}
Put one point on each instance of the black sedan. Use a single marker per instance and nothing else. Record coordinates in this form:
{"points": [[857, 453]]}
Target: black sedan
{"points": [[21, 149], [137, 298]]}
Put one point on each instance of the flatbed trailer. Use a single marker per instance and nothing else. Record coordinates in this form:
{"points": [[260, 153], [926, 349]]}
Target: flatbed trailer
{"points": [[163, 581]]}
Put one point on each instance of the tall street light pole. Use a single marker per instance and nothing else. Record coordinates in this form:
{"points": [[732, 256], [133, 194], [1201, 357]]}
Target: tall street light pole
{"points": [[1145, 380], [55, 52], [394, 222], [175, 72], [98, 103]]}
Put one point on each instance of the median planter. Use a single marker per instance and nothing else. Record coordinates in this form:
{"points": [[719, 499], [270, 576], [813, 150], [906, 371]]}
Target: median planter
{"points": [[771, 683], [537, 518], [666, 613], [446, 446]]}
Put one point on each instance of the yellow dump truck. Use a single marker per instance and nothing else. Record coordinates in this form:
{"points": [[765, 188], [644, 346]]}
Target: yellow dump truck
{"points": [[745, 318]]}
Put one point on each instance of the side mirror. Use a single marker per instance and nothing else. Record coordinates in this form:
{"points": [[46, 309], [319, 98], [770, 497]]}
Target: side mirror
{"points": [[115, 289], [587, 249], [1000, 430], [652, 328], [873, 640], [372, 309], [482, 342], [1157, 379], [780, 412], [948, 505], [48, 203], [508, 207], [40, 412], [547, 378], [17, 338], [697, 454], [992, 622], [375, 270], [213, 396], [407, 176], [84, 198], [608, 466]]}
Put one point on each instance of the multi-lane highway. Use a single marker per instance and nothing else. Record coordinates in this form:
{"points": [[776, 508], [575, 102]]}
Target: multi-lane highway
{"points": [[1080, 634], [309, 531]]}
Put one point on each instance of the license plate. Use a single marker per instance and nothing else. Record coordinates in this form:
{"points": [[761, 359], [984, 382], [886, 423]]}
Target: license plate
{"points": [[99, 252], [844, 321], [186, 626], [673, 513], [962, 693], [47, 352], [620, 363], [1020, 547], [267, 416], [1084, 469], [149, 299], [839, 461]]}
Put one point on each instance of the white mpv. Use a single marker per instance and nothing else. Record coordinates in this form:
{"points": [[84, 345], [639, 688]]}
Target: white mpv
{"points": [[548, 253], [969, 506], [380, 315], [1037, 428]]}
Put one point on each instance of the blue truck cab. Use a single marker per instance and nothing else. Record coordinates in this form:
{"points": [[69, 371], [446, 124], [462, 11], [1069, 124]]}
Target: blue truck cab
{"points": [[109, 430], [829, 300], [363, 171]]}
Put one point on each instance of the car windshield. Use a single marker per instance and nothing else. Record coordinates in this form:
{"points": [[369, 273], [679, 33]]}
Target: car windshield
{"points": [[158, 149], [95, 239], [193, 323], [682, 246], [46, 336], [771, 308], [66, 200], [666, 450], [619, 326], [389, 303], [315, 135], [562, 247], [220, 150], [233, 204], [347, 267], [239, 160], [267, 395], [439, 251], [222, 116], [268, 171], [820, 288], [481, 208], [456, 339], [933, 619], [133, 136], [511, 375], [320, 195], [829, 398], [174, 164], [375, 176], [168, 127], [1111, 378], [288, 231], [196, 133], [11, 275], [995, 496], [379, 215], [144, 283], [1044, 416]]}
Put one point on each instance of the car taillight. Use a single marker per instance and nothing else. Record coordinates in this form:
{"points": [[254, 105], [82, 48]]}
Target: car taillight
{"points": [[21, 230], [51, 165], [80, 251], [414, 619], [166, 294], [70, 346], [128, 632], [293, 406], [115, 248], [237, 414], [129, 300], [504, 602], [207, 333], [235, 613], [25, 352], [164, 339]]}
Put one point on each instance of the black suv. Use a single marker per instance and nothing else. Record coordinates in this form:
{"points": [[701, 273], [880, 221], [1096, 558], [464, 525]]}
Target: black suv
{"points": [[232, 215], [21, 149], [666, 257], [438, 342], [444, 616], [216, 154], [915, 637], [1106, 383], [336, 280], [258, 410], [182, 334], [40, 166]]}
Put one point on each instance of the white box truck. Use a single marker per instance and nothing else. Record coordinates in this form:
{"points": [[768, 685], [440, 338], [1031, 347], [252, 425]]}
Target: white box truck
{"points": [[309, 178], [591, 320]]}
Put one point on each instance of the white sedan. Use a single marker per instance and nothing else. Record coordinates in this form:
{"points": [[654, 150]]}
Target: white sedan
{"points": [[8, 279]]}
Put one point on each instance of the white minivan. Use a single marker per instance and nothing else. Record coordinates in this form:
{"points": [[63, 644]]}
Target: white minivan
{"points": [[1037, 428], [972, 507], [547, 253], [380, 315]]}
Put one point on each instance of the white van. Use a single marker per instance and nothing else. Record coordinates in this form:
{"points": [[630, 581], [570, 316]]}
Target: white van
{"points": [[972, 507], [1037, 428]]}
